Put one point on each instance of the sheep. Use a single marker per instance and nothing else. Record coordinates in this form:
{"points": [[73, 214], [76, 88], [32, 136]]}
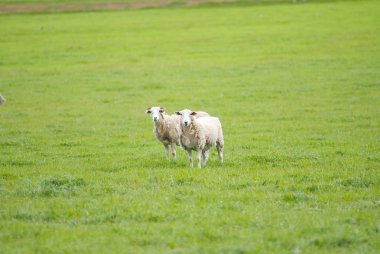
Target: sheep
{"points": [[200, 134], [2, 99], [166, 128]]}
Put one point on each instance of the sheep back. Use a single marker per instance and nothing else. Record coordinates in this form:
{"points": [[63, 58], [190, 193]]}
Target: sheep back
{"points": [[201, 114]]}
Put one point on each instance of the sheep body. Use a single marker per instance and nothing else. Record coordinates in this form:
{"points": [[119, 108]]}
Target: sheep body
{"points": [[202, 134], [166, 129]]}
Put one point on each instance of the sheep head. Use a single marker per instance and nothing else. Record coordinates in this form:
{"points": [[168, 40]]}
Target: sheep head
{"points": [[187, 116], [155, 113]]}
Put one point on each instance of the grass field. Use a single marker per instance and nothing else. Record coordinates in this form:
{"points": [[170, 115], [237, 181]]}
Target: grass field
{"points": [[296, 87]]}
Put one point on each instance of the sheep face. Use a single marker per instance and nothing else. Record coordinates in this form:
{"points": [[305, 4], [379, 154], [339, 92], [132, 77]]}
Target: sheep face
{"points": [[155, 113], [186, 116]]}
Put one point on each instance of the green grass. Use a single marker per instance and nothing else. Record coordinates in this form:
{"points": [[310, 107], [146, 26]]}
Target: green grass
{"points": [[296, 88], [179, 2], [78, 1], [167, 2]]}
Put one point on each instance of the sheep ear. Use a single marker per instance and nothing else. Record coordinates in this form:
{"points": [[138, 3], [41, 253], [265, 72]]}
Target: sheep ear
{"points": [[193, 113], [148, 110], [177, 113], [162, 110]]}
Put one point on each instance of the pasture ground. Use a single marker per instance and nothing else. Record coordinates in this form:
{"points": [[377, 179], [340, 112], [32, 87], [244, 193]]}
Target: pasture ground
{"points": [[296, 87]]}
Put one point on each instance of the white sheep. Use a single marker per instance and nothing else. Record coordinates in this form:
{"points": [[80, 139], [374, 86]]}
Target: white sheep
{"points": [[2, 99], [200, 134], [167, 128]]}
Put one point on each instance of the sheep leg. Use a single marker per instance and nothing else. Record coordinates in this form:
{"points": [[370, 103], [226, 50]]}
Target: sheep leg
{"points": [[205, 157], [173, 151], [199, 154], [167, 151], [220, 145], [190, 158], [220, 153]]}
